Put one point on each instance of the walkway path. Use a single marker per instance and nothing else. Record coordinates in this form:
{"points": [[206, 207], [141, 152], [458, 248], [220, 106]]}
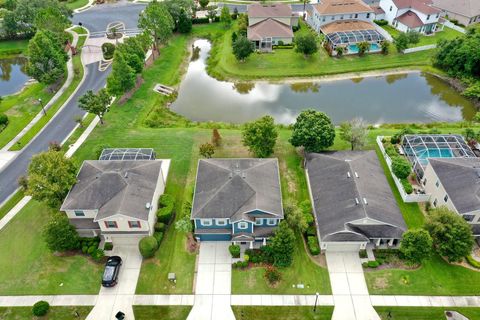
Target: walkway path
{"points": [[350, 292], [213, 283]]}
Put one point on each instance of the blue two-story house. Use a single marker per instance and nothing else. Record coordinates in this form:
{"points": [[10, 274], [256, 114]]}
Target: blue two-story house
{"points": [[237, 200]]}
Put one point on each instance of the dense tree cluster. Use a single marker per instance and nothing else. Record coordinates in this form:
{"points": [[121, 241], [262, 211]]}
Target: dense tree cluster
{"points": [[260, 136], [313, 130]]}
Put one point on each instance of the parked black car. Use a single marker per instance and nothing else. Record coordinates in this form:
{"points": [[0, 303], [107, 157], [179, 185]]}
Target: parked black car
{"points": [[112, 268]]}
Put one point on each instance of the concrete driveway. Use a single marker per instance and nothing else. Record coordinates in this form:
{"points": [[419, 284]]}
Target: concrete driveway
{"points": [[350, 292], [213, 285], [120, 297]]}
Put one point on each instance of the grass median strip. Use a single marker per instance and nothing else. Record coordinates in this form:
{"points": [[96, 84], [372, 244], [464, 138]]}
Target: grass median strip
{"points": [[12, 202], [54, 313], [424, 313]]}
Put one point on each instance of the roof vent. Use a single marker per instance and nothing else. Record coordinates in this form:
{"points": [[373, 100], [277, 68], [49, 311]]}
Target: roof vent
{"points": [[348, 174], [230, 175], [356, 201], [126, 174], [356, 174], [147, 205], [244, 175], [365, 200]]}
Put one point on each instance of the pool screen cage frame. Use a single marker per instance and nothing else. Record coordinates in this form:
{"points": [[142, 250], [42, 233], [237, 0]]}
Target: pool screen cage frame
{"points": [[415, 145], [128, 154], [352, 37]]}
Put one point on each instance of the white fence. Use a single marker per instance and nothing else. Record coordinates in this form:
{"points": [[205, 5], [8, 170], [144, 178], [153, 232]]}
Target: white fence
{"points": [[421, 48], [454, 27], [405, 197]]}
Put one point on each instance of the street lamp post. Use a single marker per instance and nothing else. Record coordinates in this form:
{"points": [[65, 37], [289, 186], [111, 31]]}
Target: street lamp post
{"points": [[304, 13], [43, 107], [316, 300]]}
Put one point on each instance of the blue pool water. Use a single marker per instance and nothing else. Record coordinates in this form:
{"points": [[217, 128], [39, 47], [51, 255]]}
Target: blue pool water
{"points": [[352, 48], [434, 153]]}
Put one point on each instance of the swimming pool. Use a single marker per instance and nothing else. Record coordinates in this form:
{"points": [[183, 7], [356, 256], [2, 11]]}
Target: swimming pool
{"points": [[424, 154], [353, 48]]}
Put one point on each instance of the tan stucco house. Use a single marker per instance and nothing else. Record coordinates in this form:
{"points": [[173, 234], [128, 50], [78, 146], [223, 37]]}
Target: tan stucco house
{"points": [[466, 12]]}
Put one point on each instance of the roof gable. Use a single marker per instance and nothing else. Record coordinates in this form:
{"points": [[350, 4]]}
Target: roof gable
{"points": [[419, 5], [341, 6], [258, 10], [269, 28]]}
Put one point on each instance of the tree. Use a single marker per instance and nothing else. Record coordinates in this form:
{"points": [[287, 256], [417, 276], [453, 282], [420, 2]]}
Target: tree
{"points": [[157, 21], [355, 132], [53, 20], [295, 217], [203, 3], [451, 234], [184, 23], [97, 104], [133, 52], [176, 7], [313, 130], [225, 17], [242, 48], [473, 91], [416, 245], [363, 47], [339, 50], [60, 235], [470, 134], [283, 245], [385, 45], [50, 176], [46, 59], [260, 136], [206, 150], [216, 138], [122, 77], [242, 24], [306, 44], [401, 167], [401, 42], [413, 37], [148, 246]]}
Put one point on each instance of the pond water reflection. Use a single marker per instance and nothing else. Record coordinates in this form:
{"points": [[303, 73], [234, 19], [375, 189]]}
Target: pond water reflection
{"points": [[12, 75]]}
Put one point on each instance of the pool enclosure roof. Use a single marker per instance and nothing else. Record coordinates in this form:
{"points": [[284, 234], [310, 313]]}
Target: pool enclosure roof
{"points": [[420, 147], [346, 37], [127, 154]]}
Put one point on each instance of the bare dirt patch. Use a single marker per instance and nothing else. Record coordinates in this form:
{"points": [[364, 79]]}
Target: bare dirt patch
{"points": [[381, 283]]}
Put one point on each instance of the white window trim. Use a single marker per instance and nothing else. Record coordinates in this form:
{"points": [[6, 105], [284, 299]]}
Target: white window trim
{"points": [[79, 211], [206, 222], [258, 221], [271, 222], [242, 225], [221, 222]]}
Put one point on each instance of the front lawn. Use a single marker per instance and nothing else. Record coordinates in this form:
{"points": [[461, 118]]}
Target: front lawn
{"points": [[161, 312], [27, 267], [282, 313], [54, 313], [423, 313]]}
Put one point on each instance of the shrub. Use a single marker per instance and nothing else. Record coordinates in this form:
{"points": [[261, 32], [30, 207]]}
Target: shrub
{"points": [[391, 151], [99, 148], [91, 249], [166, 204], [365, 264], [401, 167], [108, 49], [158, 236], [98, 254], [373, 264], [280, 43], [406, 186], [362, 254], [108, 246], [474, 263], [381, 22], [272, 275], [166, 200], [234, 250], [240, 264], [397, 137], [40, 308], [84, 249], [3, 119], [159, 226], [313, 246], [311, 231], [148, 246]]}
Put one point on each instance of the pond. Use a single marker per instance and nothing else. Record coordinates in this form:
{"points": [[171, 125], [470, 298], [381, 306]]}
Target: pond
{"points": [[409, 97], [12, 75]]}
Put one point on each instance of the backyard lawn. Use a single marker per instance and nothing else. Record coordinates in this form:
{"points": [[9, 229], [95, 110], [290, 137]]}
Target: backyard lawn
{"points": [[9, 47], [282, 313], [75, 4], [161, 312], [446, 33], [423, 313], [28, 267], [55, 313]]}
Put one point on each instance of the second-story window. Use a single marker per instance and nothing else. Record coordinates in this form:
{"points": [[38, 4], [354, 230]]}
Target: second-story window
{"points": [[79, 213], [134, 224], [271, 222], [368, 15], [111, 224], [242, 225], [258, 221], [428, 17], [206, 222], [221, 222]]}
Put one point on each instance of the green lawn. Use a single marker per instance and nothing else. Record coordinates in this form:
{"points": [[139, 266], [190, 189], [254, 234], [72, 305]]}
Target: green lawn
{"points": [[9, 47], [7, 206], [282, 313], [161, 312], [28, 267], [288, 63], [423, 313], [75, 4], [446, 33], [55, 313]]}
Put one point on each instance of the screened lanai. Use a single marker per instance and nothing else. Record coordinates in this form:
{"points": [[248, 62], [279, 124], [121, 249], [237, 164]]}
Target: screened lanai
{"points": [[351, 37], [127, 154], [420, 147]]}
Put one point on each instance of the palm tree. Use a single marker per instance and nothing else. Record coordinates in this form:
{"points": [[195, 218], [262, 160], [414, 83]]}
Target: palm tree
{"points": [[363, 47]]}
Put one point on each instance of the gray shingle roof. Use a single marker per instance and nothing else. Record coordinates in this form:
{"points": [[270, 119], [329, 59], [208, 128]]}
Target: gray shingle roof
{"points": [[467, 8], [461, 179], [228, 188], [114, 187], [269, 28], [335, 194]]}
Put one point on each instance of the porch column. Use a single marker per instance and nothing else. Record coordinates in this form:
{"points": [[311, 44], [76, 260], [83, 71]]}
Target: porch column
{"points": [[251, 245], [264, 241], [390, 242], [378, 242]]}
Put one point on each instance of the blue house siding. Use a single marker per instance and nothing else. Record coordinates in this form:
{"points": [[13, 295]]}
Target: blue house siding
{"points": [[214, 237], [215, 225], [236, 229], [264, 223]]}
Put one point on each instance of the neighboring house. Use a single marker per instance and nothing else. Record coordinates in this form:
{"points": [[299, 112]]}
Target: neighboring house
{"points": [[466, 12], [116, 199], [270, 24], [344, 24], [237, 200], [455, 183], [352, 201], [412, 15]]}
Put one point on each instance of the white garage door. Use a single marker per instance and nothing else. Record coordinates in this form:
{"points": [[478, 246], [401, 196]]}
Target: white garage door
{"points": [[343, 246], [126, 240]]}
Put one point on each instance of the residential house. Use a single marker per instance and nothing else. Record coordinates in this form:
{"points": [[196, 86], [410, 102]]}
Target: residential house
{"points": [[116, 199], [352, 201], [237, 200], [466, 12], [412, 15], [344, 24], [270, 24], [455, 183]]}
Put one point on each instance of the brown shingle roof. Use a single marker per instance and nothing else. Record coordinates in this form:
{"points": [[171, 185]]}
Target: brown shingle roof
{"points": [[377, 9], [346, 25], [341, 6], [467, 8], [269, 28], [410, 19], [269, 10], [418, 5]]}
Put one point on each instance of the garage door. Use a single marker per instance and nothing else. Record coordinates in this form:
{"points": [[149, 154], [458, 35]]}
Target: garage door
{"points": [[214, 237], [343, 246], [125, 240]]}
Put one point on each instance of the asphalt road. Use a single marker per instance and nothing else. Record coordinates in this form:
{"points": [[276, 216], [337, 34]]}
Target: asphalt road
{"points": [[57, 130]]}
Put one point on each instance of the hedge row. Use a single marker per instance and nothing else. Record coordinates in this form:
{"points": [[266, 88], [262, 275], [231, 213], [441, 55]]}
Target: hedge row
{"points": [[313, 245], [166, 207], [474, 263]]}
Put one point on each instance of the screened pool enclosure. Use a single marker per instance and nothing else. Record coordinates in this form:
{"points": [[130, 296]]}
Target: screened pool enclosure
{"points": [[420, 147], [127, 154]]}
